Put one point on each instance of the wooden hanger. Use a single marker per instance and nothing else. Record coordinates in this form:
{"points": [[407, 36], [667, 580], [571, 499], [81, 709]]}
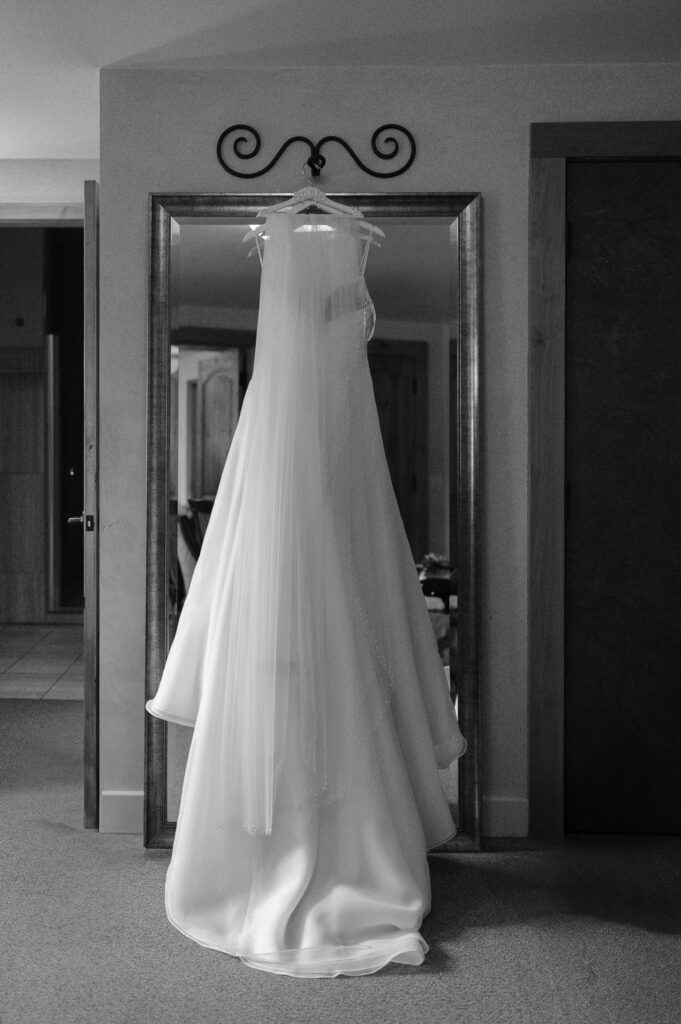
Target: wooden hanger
{"points": [[310, 196], [301, 202]]}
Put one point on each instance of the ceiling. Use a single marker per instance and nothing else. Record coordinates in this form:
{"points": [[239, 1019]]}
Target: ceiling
{"points": [[51, 53]]}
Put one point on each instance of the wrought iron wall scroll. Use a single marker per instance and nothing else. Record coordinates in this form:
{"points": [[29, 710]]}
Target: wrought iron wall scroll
{"points": [[384, 146]]}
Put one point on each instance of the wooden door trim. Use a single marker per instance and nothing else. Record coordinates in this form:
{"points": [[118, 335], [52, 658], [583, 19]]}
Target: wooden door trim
{"points": [[551, 146], [546, 476]]}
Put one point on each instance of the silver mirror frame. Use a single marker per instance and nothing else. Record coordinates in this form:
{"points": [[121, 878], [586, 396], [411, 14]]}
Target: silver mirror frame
{"points": [[465, 212]]}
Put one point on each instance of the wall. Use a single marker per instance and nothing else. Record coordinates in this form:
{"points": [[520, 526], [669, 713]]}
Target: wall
{"points": [[44, 189], [159, 129]]}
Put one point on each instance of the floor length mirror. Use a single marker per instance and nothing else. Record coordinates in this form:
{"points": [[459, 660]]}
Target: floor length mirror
{"points": [[424, 280]]}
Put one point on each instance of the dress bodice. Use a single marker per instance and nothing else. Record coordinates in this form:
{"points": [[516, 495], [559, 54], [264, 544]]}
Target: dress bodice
{"points": [[322, 254]]}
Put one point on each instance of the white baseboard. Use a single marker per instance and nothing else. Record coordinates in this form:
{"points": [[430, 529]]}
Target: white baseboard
{"points": [[505, 815], [121, 811]]}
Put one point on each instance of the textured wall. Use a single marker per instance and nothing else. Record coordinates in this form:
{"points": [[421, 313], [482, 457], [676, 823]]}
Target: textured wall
{"points": [[30, 189], [159, 129]]}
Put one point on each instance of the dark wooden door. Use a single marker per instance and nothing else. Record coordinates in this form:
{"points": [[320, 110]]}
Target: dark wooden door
{"points": [[623, 497]]}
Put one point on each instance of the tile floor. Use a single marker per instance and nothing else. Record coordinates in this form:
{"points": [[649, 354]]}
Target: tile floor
{"points": [[41, 662]]}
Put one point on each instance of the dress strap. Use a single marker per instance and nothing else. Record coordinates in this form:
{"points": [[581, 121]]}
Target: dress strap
{"points": [[366, 250], [259, 242]]}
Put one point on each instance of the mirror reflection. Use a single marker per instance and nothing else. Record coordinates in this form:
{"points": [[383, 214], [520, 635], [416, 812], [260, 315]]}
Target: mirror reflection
{"points": [[214, 294]]}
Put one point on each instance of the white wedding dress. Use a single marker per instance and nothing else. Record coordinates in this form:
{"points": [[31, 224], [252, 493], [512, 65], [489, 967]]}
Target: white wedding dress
{"points": [[304, 656]]}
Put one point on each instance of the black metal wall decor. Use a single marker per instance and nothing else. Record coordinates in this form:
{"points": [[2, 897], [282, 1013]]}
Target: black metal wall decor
{"points": [[384, 146]]}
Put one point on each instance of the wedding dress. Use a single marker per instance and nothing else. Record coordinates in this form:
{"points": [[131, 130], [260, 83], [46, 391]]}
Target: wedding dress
{"points": [[304, 656]]}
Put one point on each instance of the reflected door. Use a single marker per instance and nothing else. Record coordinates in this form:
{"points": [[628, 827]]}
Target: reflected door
{"points": [[398, 371], [214, 406]]}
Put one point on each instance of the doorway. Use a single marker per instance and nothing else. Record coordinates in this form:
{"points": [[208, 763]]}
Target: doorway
{"points": [[64, 329], [605, 539], [46, 651], [41, 398]]}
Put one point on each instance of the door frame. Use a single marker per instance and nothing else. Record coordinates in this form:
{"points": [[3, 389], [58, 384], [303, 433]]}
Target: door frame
{"points": [[551, 146]]}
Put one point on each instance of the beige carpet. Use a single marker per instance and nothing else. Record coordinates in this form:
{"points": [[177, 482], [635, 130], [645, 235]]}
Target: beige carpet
{"points": [[583, 933]]}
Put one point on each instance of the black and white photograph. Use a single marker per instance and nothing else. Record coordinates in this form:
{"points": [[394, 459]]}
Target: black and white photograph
{"points": [[340, 475]]}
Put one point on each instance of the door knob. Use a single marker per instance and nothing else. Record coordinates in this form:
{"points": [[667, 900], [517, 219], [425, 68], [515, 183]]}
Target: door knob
{"points": [[82, 518]]}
